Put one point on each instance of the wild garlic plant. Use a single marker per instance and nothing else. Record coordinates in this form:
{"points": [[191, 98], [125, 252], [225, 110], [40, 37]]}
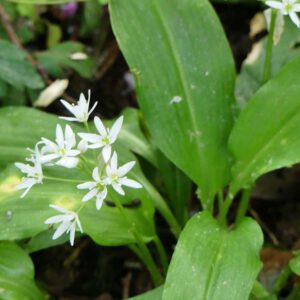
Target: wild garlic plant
{"points": [[67, 153]]}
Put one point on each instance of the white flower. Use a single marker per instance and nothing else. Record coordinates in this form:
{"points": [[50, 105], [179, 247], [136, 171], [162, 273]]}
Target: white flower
{"points": [[34, 175], [68, 220], [116, 176], [97, 189], [81, 110], [105, 138], [287, 7], [61, 150]]}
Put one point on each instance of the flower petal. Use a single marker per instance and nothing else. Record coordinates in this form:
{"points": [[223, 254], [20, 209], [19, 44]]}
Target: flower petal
{"points": [[70, 138], [48, 157], [78, 223], [95, 174], [86, 185], [90, 137], [295, 19], [91, 194], [72, 230], [60, 209], [117, 187], [68, 162], [68, 106], [70, 119], [100, 127], [114, 162], [130, 182], [115, 129], [62, 228], [275, 4], [58, 219], [106, 152], [92, 109], [296, 7], [59, 136], [123, 170]]}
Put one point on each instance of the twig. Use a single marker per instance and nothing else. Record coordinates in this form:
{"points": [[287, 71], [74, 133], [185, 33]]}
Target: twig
{"points": [[265, 227], [7, 24]]}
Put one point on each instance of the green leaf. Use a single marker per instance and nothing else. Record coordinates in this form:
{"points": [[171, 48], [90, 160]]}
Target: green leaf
{"points": [[249, 81], [58, 58], [294, 263], [170, 47], [23, 218], [214, 263], [266, 135], [178, 187], [17, 274], [155, 294], [54, 34], [91, 18], [15, 69]]}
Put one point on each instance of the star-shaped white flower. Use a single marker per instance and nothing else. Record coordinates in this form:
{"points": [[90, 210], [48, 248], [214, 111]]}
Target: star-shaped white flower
{"points": [[62, 151], [68, 219], [116, 176], [97, 189], [80, 110], [34, 175], [287, 7], [105, 138]]}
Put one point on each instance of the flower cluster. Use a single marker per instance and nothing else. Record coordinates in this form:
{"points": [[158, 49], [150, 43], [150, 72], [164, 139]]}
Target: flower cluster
{"points": [[287, 7], [65, 152]]}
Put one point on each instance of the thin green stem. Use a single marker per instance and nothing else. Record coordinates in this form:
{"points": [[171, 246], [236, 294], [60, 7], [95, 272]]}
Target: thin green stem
{"points": [[162, 254], [62, 179], [282, 280], [143, 250], [269, 48], [224, 208], [220, 199], [243, 206], [294, 294]]}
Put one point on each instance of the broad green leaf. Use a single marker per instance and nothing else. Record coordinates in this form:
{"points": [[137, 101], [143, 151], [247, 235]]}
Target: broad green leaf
{"points": [[23, 218], [249, 80], [17, 274], [212, 263], [15, 69], [155, 294], [170, 46], [266, 135], [58, 58]]}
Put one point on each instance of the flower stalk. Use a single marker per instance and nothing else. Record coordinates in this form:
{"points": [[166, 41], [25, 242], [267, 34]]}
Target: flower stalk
{"points": [[269, 49]]}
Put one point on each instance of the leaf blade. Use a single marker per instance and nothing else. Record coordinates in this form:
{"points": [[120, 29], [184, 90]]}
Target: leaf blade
{"points": [[207, 258], [172, 62]]}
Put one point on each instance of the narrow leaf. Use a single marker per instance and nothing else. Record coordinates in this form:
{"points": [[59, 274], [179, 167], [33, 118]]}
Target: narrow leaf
{"points": [[266, 135]]}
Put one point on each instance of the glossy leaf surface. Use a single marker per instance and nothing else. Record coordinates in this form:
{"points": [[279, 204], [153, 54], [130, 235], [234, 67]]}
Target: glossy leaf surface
{"points": [[184, 82], [266, 135], [212, 263], [17, 274]]}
